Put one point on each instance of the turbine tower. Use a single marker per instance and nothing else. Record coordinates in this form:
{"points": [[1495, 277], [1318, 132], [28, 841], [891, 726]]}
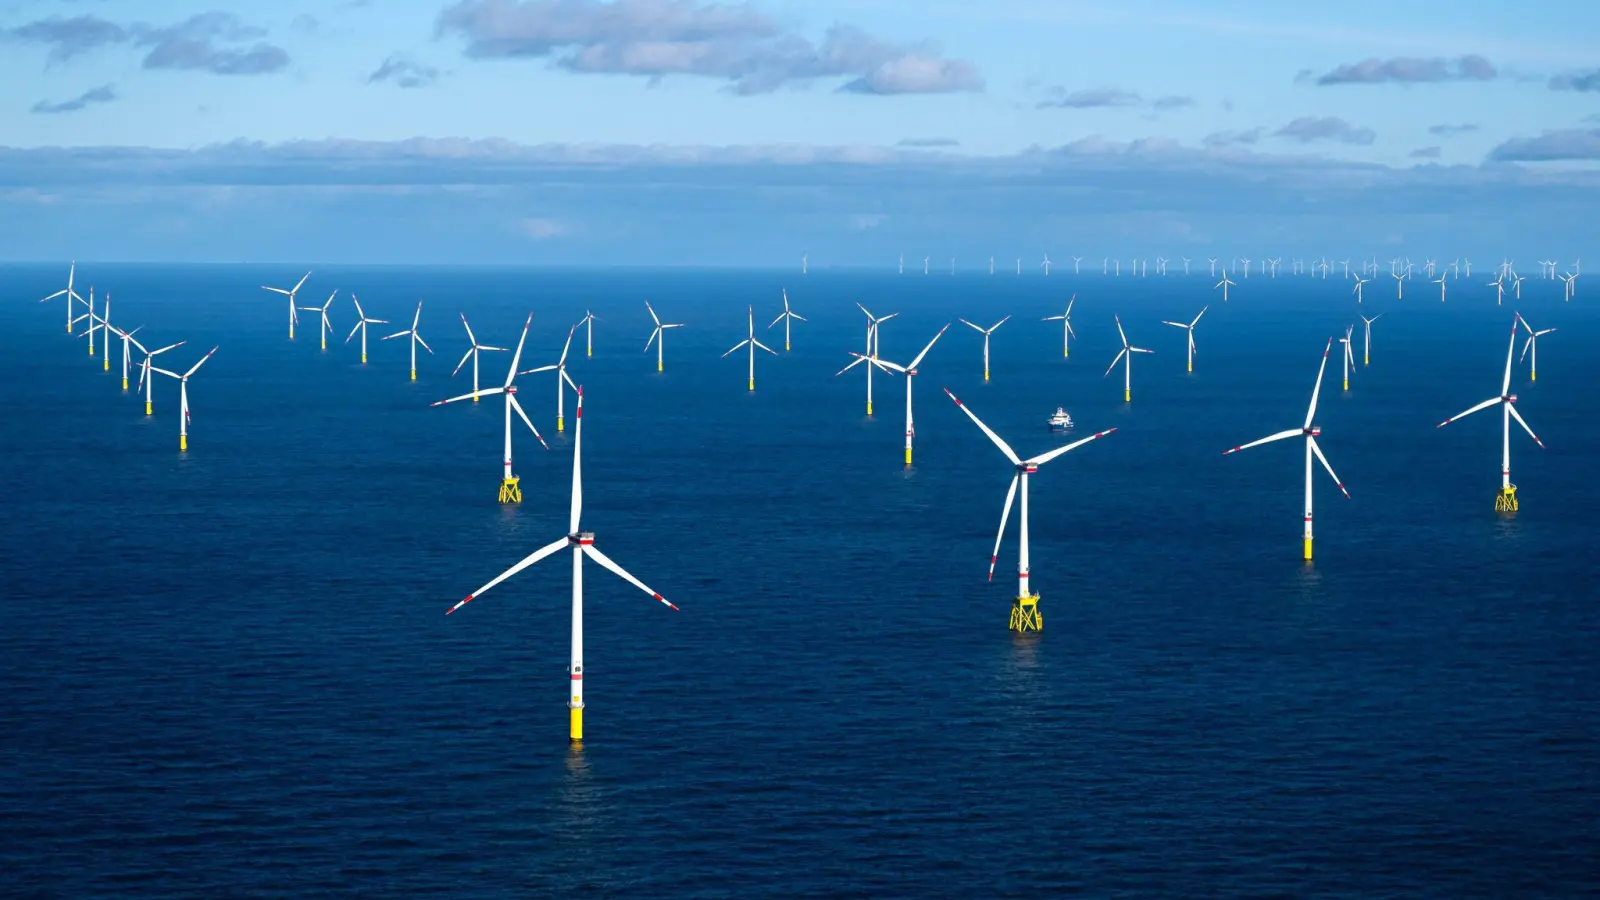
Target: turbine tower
{"points": [[1506, 500]]}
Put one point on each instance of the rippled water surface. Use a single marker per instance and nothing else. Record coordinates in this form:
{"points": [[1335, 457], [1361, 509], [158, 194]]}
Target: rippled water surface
{"points": [[228, 672]]}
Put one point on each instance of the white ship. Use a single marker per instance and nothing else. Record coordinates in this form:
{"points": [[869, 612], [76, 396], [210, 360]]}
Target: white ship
{"points": [[1060, 421]]}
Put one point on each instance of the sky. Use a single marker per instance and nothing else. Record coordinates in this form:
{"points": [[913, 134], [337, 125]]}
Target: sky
{"points": [[693, 132]]}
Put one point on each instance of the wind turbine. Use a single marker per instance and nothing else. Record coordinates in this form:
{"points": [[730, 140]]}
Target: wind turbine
{"points": [[105, 335], [1066, 325], [290, 293], [1311, 433], [1532, 343], [1366, 338], [1349, 354], [1359, 282], [67, 292], [872, 348], [1499, 290], [1440, 282], [910, 371], [510, 485], [1246, 261], [1189, 328], [145, 378], [1224, 284], [751, 342], [925, 265], [1185, 265], [902, 264], [1213, 262], [1567, 285], [1075, 261], [985, 332], [323, 309], [560, 368], [1125, 356], [803, 258], [361, 325], [472, 353], [1399, 285], [91, 318], [659, 335], [415, 339], [588, 324], [1025, 608], [183, 397], [786, 317], [582, 544], [1046, 264], [1506, 500], [127, 338]]}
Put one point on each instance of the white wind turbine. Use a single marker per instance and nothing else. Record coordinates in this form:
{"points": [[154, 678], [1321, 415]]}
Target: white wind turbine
{"points": [[1567, 285], [587, 323], [183, 397], [1189, 329], [105, 335], [1366, 338], [1399, 285], [786, 317], [472, 353], [510, 484], [1075, 261], [290, 293], [415, 339], [1225, 283], [1212, 260], [1499, 286], [985, 332], [69, 293], [1349, 354], [872, 348], [1440, 282], [582, 544], [1046, 264], [1025, 608], [361, 325], [560, 368], [1311, 432], [146, 380], [1185, 265], [803, 260], [325, 325], [1359, 282], [659, 335], [1125, 356], [127, 338], [925, 265], [910, 371], [89, 317], [1532, 344], [1506, 500], [1066, 325], [751, 342]]}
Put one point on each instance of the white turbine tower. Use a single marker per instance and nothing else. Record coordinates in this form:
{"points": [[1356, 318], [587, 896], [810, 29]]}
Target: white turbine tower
{"points": [[325, 326], [582, 544], [1532, 343], [560, 368], [1311, 432], [1366, 338], [69, 293], [146, 380], [985, 332], [415, 339], [127, 339], [910, 371], [786, 317], [659, 335], [510, 484], [361, 325], [1349, 354], [1046, 264], [1025, 608], [1359, 282], [1066, 325], [1189, 329], [872, 348], [472, 354], [183, 397], [290, 293], [1506, 500], [1440, 281], [1499, 286], [750, 342], [587, 322], [1399, 285], [1125, 356]]}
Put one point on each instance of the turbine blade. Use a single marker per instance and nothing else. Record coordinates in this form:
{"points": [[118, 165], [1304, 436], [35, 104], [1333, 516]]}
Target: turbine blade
{"points": [[735, 347], [568, 379], [527, 561], [1311, 410], [517, 356], [859, 359], [196, 367], [577, 469], [423, 343], [590, 551], [1505, 385], [763, 346], [918, 360], [1520, 421], [1043, 458], [1004, 447], [1292, 432], [464, 357], [1324, 460], [470, 336], [1120, 354], [486, 392], [512, 399], [1469, 411], [1005, 514]]}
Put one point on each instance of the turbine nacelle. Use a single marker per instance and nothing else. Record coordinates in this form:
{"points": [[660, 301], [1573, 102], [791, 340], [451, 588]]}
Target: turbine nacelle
{"points": [[1314, 430], [1027, 468], [1509, 398], [581, 538]]}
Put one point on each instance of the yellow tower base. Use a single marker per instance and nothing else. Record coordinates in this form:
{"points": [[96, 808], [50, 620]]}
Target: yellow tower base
{"points": [[511, 490], [106, 364], [658, 365], [183, 442], [786, 346], [1366, 360], [1127, 396], [575, 725], [561, 423], [1533, 376], [1064, 351], [124, 385], [752, 384], [147, 406], [908, 457], [91, 346], [69, 328], [413, 374], [1025, 614], [1347, 384], [1506, 500], [363, 359], [869, 407], [1308, 549], [985, 374], [1191, 367]]}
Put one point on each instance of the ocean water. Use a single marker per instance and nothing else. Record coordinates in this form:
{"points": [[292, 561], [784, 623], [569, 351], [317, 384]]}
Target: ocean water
{"points": [[229, 673]]}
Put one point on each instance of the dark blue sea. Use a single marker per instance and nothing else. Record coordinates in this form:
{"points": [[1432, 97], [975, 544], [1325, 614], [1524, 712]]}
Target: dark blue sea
{"points": [[228, 672]]}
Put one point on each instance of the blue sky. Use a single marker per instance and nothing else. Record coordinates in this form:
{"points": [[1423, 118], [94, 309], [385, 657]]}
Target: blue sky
{"points": [[677, 130]]}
